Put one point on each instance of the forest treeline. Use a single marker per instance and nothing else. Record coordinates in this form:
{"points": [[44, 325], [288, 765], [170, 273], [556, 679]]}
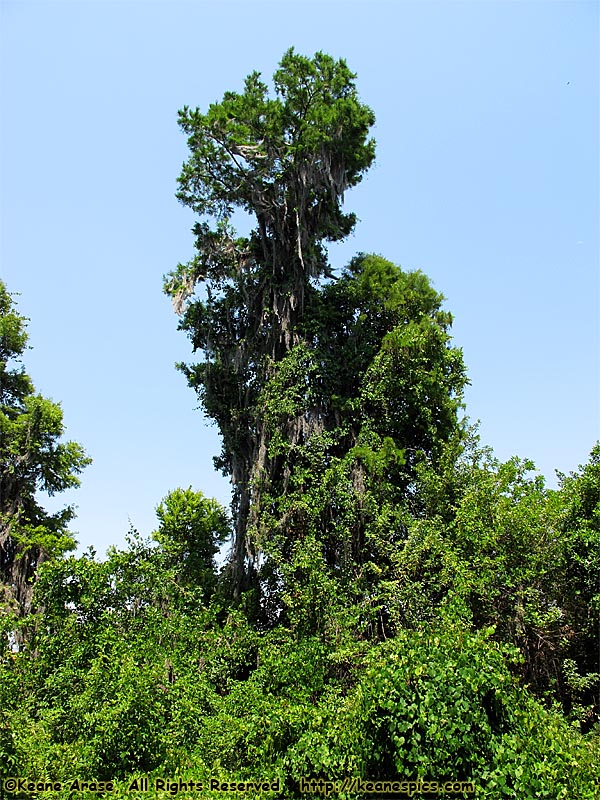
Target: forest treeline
{"points": [[395, 604]]}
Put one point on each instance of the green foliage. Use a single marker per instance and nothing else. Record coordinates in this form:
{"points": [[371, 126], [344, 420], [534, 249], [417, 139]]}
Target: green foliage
{"points": [[398, 605], [287, 160], [190, 531], [440, 704], [576, 571], [121, 679], [500, 551], [32, 460], [349, 413], [249, 150]]}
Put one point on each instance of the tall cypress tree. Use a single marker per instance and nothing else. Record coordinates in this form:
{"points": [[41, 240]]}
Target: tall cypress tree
{"points": [[357, 369], [286, 160]]}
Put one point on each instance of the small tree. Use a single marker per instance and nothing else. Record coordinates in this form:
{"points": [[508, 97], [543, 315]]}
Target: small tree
{"points": [[190, 531], [32, 459]]}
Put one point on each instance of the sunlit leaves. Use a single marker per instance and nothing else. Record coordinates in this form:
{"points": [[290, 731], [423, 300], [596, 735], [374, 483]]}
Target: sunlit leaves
{"points": [[32, 459]]}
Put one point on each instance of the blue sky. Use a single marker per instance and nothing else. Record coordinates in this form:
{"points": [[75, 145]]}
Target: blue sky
{"points": [[487, 179]]}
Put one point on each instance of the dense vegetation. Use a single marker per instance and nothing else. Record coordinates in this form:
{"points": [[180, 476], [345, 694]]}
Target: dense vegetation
{"points": [[396, 603]]}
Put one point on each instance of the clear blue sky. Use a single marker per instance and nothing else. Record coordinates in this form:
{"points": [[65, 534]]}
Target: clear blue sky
{"points": [[487, 179]]}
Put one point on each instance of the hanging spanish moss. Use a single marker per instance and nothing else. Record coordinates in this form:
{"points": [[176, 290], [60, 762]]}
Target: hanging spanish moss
{"points": [[287, 160]]}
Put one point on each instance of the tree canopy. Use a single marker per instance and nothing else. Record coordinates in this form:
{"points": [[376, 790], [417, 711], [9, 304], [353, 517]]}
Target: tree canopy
{"points": [[286, 160], [399, 607], [290, 358], [32, 459]]}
